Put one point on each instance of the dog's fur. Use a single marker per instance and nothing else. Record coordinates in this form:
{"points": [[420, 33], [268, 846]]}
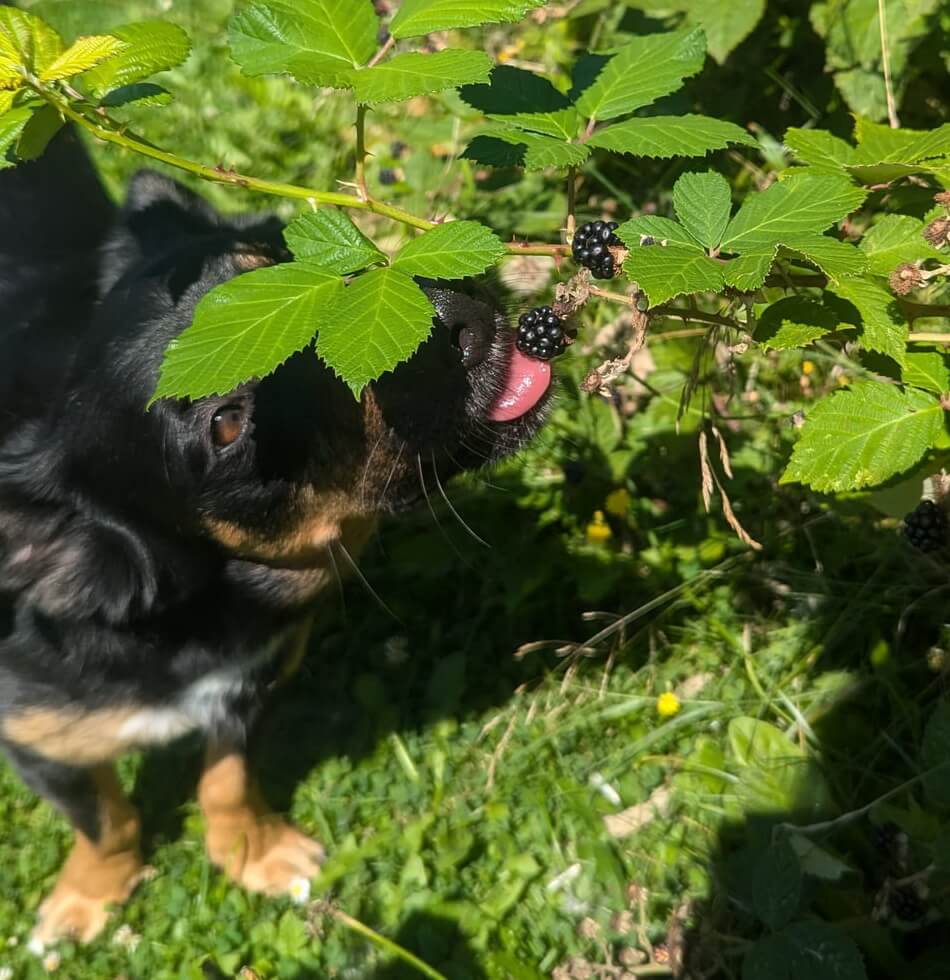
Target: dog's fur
{"points": [[152, 582]]}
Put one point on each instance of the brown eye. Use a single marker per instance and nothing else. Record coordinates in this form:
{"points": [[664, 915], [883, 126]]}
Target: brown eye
{"points": [[227, 425]]}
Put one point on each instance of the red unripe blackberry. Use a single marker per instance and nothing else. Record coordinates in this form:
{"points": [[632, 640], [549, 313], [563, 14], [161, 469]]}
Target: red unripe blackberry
{"points": [[925, 527], [591, 247], [540, 333]]}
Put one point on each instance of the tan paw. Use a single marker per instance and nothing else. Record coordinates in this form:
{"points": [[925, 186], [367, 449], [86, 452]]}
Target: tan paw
{"points": [[271, 857]]}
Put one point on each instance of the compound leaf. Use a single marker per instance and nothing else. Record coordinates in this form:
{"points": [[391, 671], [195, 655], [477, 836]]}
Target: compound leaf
{"points": [[642, 71], [669, 136], [378, 321], [662, 230], [804, 205], [328, 239], [703, 203], [863, 436], [417, 17], [247, 328], [884, 327], [151, 46], [450, 251], [412, 74], [663, 272]]}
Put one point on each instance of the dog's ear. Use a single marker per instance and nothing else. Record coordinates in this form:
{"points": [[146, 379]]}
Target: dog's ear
{"points": [[158, 214]]}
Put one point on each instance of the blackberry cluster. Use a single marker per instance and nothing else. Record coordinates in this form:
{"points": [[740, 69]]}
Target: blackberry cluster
{"points": [[591, 247], [540, 333], [925, 527]]}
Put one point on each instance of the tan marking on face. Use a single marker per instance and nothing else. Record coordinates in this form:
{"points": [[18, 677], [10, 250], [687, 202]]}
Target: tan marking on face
{"points": [[252, 845], [248, 261], [97, 873], [72, 735]]}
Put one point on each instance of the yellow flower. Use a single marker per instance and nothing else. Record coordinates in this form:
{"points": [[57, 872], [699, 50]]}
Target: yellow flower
{"points": [[598, 531], [299, 890], [843, 381], [667, 704], [510, 51], [617, 503], [808, 367]]}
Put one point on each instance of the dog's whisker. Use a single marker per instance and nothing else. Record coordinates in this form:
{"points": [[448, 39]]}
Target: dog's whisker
{"points": [[362, 578], [366, 468], [428, 499], [392, 473], [448, 503], [338, 577]]}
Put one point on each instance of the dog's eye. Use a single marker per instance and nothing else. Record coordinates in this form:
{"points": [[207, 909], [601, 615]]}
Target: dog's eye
{"points": [[227, 425]]}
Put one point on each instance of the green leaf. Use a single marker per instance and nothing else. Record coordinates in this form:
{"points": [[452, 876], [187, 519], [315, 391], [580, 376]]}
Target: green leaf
{"points": [[152, 46], [790, 207], [541, 152], [378, 322], [83, 54], [816, 861], [663, 272], [27, 40], [810, 949], [669, 136], [776, 884], [926, 369], [935, 755], [328, 239], [37, 133], [662, 230], [703, 203], [12, 125], [881, 144], [319, 42], [642, 71], [748, 272], [894, 240], [450, 251], [725, 22], [823, 152], [834, 258], [796, 321], [522, 98], [411, 74], [417, 17], [140, 93], [863, 436], [885, 329], [493, 152], [247, 328]]}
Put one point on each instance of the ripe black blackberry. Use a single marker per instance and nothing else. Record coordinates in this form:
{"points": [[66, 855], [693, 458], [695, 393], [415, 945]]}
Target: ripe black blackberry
{"points": [[591, 247], [925, 527], [905, 904], [541, 333], [388, 176]]}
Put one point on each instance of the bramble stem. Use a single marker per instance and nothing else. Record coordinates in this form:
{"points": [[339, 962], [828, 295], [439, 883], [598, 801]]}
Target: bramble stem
{"points": [[361, 153], [699, 316], [929, 338], [382, 52]]}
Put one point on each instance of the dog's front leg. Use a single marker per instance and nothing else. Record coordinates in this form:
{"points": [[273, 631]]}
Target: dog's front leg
{"points": [[252, 845]]}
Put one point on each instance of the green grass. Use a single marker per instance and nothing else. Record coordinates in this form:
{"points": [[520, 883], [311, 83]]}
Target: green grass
{"points": [[462, 759]]}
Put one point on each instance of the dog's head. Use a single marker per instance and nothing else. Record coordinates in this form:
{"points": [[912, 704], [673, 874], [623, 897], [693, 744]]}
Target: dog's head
{"points": [[279, 469]]}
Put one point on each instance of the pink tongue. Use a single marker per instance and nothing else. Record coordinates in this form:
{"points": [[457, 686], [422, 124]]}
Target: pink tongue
{"points": [[527, 380]]}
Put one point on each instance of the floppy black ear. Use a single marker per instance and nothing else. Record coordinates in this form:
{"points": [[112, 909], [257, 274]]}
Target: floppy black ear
{"points": [[158, 214]]}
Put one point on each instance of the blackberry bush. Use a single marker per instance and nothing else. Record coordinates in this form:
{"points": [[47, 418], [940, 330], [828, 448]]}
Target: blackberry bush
{"points": [[541, 333], [591, 247], [925, 527]]}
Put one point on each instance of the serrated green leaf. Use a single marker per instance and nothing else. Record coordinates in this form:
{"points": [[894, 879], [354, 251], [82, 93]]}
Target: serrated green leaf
{"points": [[152, 46], [140, 93], [669, 136], [796, 321], [703, 203], [38, 132], [822, 151], [11, 78], [663, 272], [935, 755], [27, 40], [451, 251], [378, 322], [493, 152], [927, 370], [541, 152], [319, 42], [881, 144], [411, 74], [642, 71], [725, 22], [793, 207], [328, 239], [863, 436], [81, 55], [12, 125], [884, 329], [247, 328], [417, 17], [835, 258], [6, 101], [776, 883], [749, 271], [894, 240], [662, 230], [810, 949]]}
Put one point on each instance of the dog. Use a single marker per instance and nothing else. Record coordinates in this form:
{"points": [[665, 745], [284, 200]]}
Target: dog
{"points": [[158, 568]]}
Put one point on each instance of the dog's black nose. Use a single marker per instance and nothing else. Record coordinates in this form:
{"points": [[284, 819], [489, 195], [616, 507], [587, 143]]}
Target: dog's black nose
{"points": [[473, 341], [470, 321]]}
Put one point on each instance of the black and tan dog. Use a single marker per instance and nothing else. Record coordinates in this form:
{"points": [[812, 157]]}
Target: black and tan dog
{"points": [[158, 569]]}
